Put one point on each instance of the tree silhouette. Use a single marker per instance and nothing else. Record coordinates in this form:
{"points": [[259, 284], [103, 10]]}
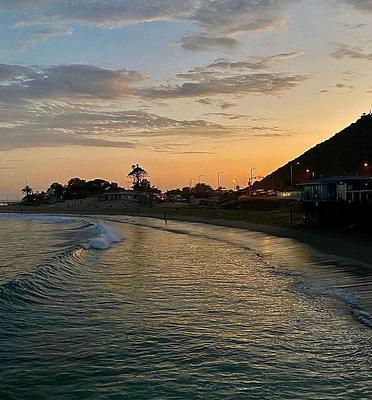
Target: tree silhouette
{"points": [[137, 174], [27, 190]]}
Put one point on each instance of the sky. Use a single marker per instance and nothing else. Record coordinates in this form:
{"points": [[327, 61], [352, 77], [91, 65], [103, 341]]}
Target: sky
{"points": [[186, 88]]}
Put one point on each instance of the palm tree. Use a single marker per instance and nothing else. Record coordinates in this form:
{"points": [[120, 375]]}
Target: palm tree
{"points": [[27, 190]]}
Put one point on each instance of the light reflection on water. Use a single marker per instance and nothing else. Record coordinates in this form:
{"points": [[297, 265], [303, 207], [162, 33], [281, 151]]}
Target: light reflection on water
{"points": [[211, 313]]}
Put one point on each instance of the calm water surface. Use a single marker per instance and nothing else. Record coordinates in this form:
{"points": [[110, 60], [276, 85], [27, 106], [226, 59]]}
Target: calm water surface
{"points": [[130, 309]]}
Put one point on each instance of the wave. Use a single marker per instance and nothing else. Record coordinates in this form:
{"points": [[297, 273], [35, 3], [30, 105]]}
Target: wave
{"points": [[107, 236], [37, 284], [90, 234], [49, 276]]}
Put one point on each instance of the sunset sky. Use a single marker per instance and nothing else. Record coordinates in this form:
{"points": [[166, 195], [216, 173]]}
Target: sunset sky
{"points": [[183, 87]]}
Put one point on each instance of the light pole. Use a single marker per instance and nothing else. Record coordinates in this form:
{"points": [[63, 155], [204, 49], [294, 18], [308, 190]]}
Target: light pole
{"points": [[218, 179], [251, 179], [199, 178], [312, 173], [236, 184], [366, 168], [291, 166]]}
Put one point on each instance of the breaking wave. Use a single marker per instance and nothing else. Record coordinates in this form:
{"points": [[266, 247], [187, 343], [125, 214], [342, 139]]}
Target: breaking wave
{"points": [[89, 234], [39, 281]]}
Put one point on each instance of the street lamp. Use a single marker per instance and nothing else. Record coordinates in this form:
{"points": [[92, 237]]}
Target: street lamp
{"points": [[291, 166], [312, 173], [218, 179], [236, 184], [251, 179]]}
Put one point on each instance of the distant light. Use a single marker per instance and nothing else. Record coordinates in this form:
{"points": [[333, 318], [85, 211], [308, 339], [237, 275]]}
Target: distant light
{"points": [[366, 164], [307, 170]]}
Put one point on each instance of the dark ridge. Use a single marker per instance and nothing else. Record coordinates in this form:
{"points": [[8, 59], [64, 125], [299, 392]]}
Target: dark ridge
{"points": [[343, 154]]}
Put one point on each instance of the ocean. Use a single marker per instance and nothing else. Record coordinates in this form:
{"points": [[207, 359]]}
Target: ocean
{"points": [[131, 308]]}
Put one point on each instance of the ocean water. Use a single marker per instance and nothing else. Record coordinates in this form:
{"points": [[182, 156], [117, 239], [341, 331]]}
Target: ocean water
{"points": [[128, 308]]}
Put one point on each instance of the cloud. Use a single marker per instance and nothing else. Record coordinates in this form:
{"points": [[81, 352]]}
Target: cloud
{"points": [[12, 73], [227, 18], [230, 116], [263, 83], [362, 5], [204, 42], [218, 21], [65, 81], [344, 51], [41, 35], [223, 104], [355, 26], [343, 86], [58, 124], [225, 77], [252, 63]]}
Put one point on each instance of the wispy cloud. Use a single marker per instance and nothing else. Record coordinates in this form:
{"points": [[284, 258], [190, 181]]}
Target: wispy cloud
{"points": [[345, 51], [58, 124], [219, 21], [19, 83], [362, 5], [225, 77]]}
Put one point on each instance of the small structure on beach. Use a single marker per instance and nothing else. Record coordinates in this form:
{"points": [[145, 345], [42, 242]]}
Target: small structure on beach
{"points": [[123, 195], [129, 198], [350, 189], [338, 200]]}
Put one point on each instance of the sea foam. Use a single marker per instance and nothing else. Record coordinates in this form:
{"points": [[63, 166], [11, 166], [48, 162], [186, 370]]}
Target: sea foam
{"points": [[106, 237], [102, 237]]}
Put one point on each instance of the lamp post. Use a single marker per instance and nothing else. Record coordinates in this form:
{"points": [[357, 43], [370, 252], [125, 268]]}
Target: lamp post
{"points": [[366, 167], [251, 179], [291, 166], [218, 179], [312, 173], [236, 184]]}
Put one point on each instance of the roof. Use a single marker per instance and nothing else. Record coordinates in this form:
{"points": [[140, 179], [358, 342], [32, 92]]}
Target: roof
{"points": [[120, 192], [336, 179]]}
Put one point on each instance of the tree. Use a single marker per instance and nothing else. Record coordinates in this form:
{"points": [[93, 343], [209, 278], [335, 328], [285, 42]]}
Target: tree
{"points": [[75, 189], [203, 188], [97, 186], [27, 190], [137, 174], [145, 186], [57, 189]]}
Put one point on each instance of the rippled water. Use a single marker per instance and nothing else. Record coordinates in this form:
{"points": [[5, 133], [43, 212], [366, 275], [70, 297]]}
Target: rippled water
{"points": [[131, 309]]}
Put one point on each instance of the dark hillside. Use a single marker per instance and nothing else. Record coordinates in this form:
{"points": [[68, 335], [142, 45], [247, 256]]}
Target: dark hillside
{"points": [[343, 154]]}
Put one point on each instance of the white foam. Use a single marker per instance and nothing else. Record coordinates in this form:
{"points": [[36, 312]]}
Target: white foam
{"points": [[312, 288], [107, 236], [103, 239]]}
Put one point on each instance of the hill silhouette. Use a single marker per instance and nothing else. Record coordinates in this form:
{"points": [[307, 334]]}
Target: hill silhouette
{"points": [[346, 153]]}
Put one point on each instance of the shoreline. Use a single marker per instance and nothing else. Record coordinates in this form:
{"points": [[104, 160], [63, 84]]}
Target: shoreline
{"points": [[341, 243]]}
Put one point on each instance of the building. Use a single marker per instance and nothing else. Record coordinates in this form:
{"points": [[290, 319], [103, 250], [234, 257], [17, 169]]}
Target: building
{"points": [[349, 189], [338, 200], [129, 198], [124, 195]]}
